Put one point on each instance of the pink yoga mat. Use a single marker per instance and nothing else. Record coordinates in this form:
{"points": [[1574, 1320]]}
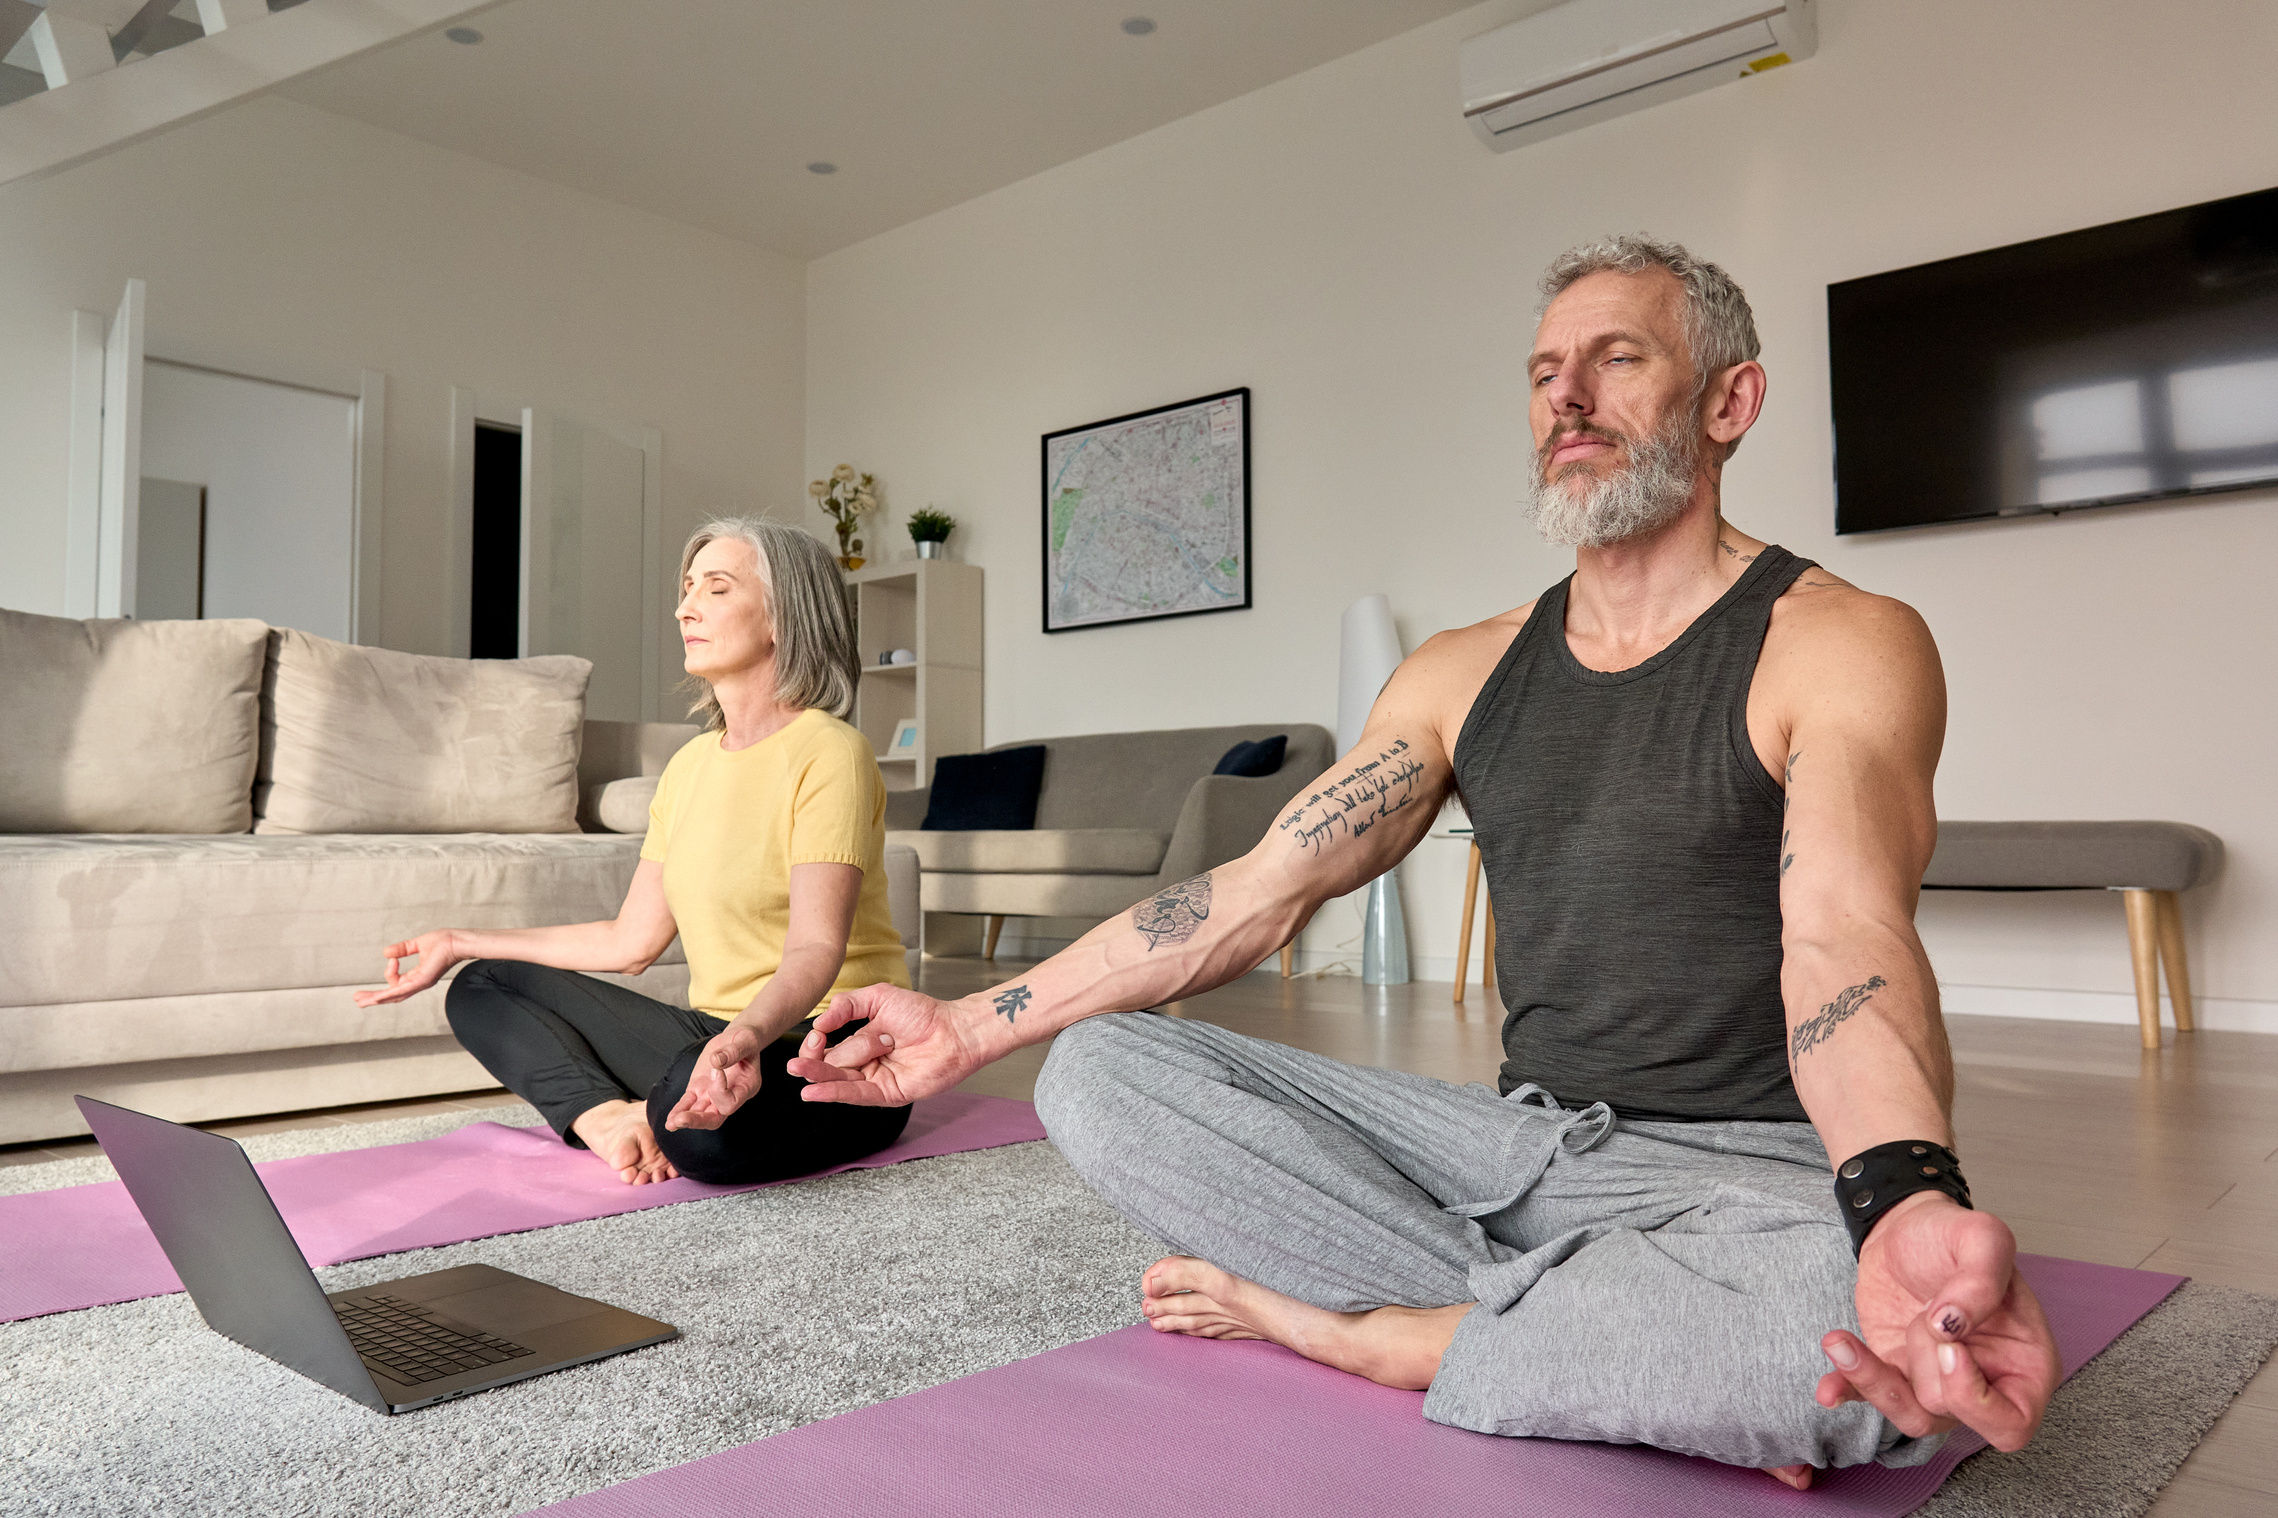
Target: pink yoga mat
{"points": [[1138, 1423], [85, 1246]]}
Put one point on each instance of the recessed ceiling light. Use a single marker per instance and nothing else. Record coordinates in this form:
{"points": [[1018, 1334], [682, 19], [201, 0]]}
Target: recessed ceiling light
{"points": [[822, 168], [1139, 26], [464, 34]]}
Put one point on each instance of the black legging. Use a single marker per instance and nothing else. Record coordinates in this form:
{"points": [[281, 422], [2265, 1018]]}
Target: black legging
{"points": [[566, 1042]]}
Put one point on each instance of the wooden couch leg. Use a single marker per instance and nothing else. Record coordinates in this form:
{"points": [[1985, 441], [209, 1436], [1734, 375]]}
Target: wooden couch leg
{"points": [[2143, 948], [2171, 955], [1289, 959], [996, 926]]}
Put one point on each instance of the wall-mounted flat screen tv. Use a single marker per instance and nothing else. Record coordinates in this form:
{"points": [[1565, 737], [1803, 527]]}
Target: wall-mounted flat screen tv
{"points": [[2130, 362]]}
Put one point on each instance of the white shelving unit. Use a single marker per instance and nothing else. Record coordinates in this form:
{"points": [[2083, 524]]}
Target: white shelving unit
{"points": [[933, 608]]}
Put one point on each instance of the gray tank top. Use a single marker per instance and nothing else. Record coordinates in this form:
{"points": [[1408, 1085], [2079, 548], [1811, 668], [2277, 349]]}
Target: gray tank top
{"points": [[1631, 842]]}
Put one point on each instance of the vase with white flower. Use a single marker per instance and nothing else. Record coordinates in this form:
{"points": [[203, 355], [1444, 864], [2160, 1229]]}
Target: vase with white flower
{"points": [[846, 498]]}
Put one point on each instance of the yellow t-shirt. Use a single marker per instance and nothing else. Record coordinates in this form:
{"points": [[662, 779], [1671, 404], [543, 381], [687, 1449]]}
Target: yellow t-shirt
{"points": [[728, 827]]}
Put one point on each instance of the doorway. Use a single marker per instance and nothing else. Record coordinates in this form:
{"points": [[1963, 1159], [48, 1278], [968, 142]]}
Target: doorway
{"points": [[252, 491], [494, 607]]}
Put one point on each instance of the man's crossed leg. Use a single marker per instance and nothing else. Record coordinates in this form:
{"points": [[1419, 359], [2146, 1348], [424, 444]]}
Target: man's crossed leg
{"points": [[1654, 1283]]}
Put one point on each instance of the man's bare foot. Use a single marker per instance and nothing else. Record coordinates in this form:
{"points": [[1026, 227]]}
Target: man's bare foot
{"points": [[619, 1136], [1393, 1346]]}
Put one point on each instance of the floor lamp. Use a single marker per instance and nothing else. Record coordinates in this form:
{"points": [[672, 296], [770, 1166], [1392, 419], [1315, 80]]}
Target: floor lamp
{"points": [[1371, 652]]}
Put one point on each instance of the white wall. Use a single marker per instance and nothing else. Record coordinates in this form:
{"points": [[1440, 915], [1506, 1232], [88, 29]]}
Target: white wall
{"points": [[287, 243], [1341, 243]]}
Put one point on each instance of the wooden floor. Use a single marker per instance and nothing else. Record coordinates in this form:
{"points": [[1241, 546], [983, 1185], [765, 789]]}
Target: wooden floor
{"points": [[2085, 1144]]}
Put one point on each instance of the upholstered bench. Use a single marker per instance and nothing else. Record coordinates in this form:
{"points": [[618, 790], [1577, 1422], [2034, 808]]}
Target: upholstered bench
{"points": [[2149, 863]]}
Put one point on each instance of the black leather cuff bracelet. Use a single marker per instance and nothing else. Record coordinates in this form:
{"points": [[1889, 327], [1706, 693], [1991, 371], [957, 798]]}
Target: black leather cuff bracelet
{"points": [[1871, 1183]]}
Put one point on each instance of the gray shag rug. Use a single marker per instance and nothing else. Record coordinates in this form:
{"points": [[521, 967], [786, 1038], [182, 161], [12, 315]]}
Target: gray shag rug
{"points": [[798, 1303]]}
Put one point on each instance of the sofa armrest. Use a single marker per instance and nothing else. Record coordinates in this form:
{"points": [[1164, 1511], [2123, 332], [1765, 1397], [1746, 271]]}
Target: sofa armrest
{"points": [[619, 751], [1224, 817], [905, 810]]}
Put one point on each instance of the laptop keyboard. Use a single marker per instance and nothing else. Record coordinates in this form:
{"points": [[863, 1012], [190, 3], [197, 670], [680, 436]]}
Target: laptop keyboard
{"points": [[410, 1347]]}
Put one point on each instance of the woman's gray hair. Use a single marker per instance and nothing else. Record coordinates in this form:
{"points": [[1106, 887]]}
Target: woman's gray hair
{"points": [[815, 662], [1719, 327]]}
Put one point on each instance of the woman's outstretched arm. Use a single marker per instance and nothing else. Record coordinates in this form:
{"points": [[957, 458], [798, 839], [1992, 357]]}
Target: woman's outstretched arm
{"points": [[823, 899], [626, 944]]}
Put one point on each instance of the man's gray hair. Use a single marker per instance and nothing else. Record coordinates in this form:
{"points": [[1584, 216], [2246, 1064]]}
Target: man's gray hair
{"points": [[1719, 327], [815, 662]]}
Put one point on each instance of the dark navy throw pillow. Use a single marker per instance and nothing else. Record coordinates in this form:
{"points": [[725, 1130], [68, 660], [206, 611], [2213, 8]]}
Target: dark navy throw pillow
{"points": [[985, 792], [1253, 759]]}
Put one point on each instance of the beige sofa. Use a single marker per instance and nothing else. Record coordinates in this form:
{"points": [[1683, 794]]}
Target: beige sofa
{"points": [[1120, 815], [176, 936]]}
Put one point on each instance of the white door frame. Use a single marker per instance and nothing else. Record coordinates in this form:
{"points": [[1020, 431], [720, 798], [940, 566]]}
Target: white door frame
{"points": [[104, 479], [118, 517]]}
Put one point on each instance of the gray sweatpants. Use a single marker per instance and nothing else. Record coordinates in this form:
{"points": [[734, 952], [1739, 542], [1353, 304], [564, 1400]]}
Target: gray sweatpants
{"points": [[1637, 1282]]}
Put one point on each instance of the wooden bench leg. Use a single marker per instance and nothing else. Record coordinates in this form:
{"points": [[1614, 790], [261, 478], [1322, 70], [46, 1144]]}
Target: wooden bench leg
{"points": [[996, 926], [1463, 938], [2143, 948], [1289, 959], [2171, 955]]}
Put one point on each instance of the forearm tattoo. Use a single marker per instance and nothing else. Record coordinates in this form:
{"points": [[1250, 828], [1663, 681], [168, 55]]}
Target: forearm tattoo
{"points": [[1174, 914], [1818, 1028], [1355, 802], [1010, 1002]]}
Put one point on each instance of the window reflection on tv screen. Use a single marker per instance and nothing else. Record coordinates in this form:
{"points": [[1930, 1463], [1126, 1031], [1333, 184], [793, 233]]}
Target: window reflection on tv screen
{"points": [[2130, 362]]}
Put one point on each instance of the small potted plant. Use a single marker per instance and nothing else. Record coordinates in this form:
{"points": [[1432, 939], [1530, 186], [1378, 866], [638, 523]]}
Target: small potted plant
{"points": [[930, 530], [846, 498]]}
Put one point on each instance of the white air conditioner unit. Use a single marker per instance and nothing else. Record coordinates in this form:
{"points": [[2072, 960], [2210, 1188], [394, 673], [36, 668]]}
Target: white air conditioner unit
{"points": [[1586, 60]]}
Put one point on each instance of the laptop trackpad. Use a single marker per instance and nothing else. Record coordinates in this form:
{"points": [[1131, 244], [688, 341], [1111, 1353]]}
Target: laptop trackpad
{"points": [[513, 1307]]}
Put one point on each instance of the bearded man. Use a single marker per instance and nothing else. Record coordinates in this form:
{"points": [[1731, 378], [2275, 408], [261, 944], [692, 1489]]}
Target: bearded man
{"points": [[1700, 773]]}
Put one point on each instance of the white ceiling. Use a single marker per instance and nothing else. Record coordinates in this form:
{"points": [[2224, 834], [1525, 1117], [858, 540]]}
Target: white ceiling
{"points": [[708, 111]]}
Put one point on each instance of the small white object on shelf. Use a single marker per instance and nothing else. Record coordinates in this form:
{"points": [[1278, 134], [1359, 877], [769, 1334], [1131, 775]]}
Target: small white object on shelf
{"points": [[905, 744], [902, 656]]}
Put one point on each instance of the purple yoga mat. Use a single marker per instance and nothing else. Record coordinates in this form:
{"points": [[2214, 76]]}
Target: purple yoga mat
{"points": [[1139, 1423], [85, 1246]]}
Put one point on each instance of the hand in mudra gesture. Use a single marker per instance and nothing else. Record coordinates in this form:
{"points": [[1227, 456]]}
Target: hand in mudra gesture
{"points": [[436, 953], [1953, 1334], [914, 1046], [726, 1076]]}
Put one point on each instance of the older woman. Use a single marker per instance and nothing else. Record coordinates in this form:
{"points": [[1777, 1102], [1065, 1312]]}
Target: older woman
{"points": [[765, 855]]}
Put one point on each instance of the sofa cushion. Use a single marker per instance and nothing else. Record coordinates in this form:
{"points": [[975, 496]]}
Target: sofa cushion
{"points": [[1061, 851], [1254, 760], [111, 917], [368, 740], [622, 806], [116, 726], [991, 791]]}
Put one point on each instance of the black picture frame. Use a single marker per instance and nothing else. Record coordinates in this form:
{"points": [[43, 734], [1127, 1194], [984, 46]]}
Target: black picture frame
{"points": [[1240, 395]]}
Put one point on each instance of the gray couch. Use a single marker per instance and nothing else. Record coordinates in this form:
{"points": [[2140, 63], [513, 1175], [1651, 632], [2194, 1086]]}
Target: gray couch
{"points": [[1120, 815]]}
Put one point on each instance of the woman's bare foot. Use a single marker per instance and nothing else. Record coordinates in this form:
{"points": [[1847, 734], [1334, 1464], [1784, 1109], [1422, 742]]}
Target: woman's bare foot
{"points": [[1797, 1476], [1393, 1346], [619, 1136]]}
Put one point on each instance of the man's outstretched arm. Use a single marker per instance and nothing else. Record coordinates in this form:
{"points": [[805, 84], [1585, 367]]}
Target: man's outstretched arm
{"points": [[1950, 1332], [1354, 822]]}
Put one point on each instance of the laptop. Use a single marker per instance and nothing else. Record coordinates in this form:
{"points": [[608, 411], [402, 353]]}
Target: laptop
{"points": [[397, 1346]]}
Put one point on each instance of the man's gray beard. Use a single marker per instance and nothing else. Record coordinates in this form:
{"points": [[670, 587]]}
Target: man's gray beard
{"points": [[1649, 491]]}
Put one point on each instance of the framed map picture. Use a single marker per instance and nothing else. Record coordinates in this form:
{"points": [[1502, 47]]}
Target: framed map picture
{"points": [[1148, 515]]}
